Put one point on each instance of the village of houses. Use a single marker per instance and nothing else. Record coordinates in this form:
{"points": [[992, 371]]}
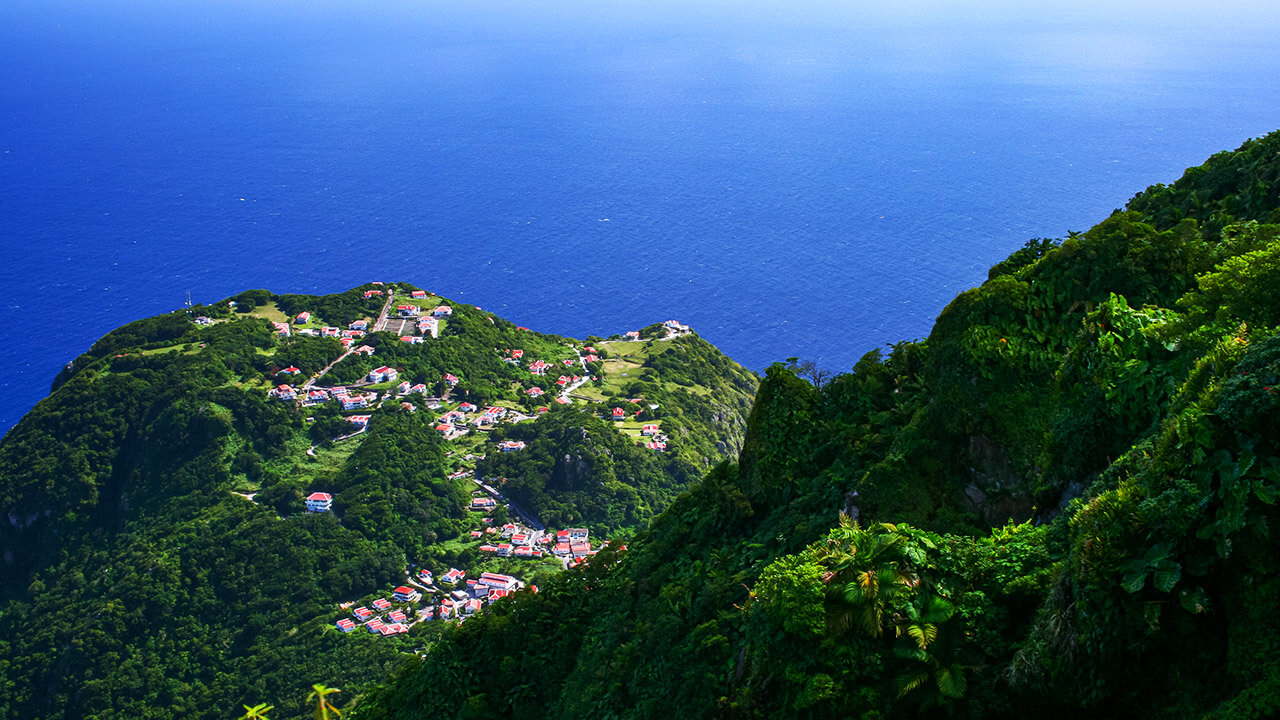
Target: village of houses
{"points": [[453, 595]]}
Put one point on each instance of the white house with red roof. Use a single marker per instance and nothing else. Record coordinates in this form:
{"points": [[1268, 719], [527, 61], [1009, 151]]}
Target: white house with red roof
{"points": [[363, 614], [403, 388], [364, 350], [291, 370], [353, 402], [467, 407], [418, 295], [442, 311], [649, 430], [429, 326], [360, 325], [370, 293], [619, 414], [535, 391], [521, 539], [634, 334], [512, 446], [345, 625], [282, 328], [330, 331], [315, 396], [450, 379], [319, 502], [284, 393], [404, 593], [538, 367], [381, 604], [411, 339], [453, 576], [483, 503], [657, 446], [303, 318], [383, 374], [407, 310], [497, 580], [361, 420], [592, 358]]}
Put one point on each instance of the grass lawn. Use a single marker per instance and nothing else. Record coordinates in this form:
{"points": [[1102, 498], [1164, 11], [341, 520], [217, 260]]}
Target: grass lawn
{"points": [[272, 313], [309, 472]]}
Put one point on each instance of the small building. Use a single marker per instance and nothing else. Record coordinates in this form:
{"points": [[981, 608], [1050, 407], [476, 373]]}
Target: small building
{"points": [[283, 393], [360, 420], [319, 502], [353, 402], [282, 328], [619, 414], [330, 331], [360, 325], [383, 374], [649, 430], [504, 549], [497, 580], [429, 326], [534, 391], [411, 339], [538, 367], [511, 445], [363, 614], [450, 379], [442, 311], [418, 295], [483, 503], [524, 552], [345, 625], [454, 576], [381, 604], [303, 318], [404, 593], [397, 616], [291, 370]]}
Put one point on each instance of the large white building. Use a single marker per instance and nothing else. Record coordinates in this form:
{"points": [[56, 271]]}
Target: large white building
{"points": [[319, 502]]}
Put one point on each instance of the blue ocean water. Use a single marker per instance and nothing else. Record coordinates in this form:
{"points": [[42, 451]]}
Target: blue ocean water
{"points": [[811, 181]]}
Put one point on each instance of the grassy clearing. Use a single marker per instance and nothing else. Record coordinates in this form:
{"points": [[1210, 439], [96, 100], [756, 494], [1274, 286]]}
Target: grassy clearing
{"points": [[271, 312], [320, 470]]}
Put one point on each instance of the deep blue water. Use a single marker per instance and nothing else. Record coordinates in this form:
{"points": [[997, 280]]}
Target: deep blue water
{"points": [[792, 181]]}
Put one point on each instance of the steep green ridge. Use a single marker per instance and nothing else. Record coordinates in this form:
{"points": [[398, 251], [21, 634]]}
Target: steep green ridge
{"points": [[157, 561], [1059, 503]]}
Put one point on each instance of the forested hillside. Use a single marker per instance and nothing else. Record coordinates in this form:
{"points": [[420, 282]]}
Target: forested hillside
{"points": [[1057, 504], [157, 558]]}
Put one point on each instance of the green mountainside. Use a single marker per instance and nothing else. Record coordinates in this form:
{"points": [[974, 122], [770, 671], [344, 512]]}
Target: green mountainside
{"points": [[1057, 504], [157, 558]]}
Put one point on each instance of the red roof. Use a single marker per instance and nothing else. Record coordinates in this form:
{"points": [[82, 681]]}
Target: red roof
{"points": [[319, 497]]}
